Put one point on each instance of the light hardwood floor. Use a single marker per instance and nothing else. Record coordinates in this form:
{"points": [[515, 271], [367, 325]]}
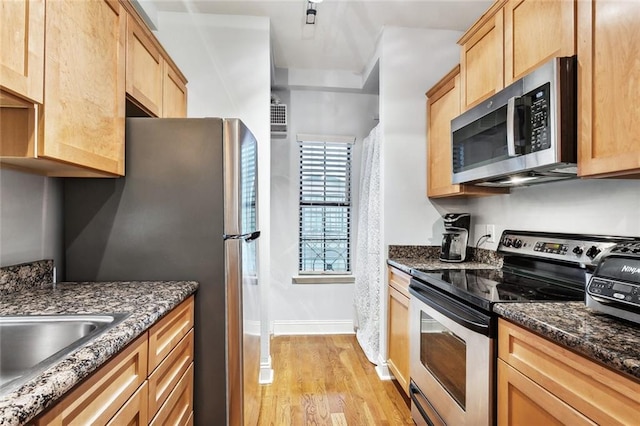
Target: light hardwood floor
{"points": [[327, 380]]}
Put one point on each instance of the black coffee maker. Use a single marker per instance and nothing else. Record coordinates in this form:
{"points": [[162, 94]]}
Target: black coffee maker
{"points": [[455, 237]]}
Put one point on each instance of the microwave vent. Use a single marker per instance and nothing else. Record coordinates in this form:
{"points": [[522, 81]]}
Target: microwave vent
{"points": [[278, 120]]}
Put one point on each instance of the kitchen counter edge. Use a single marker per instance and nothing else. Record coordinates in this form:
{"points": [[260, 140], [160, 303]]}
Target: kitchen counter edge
{"points": [[612, 342], [145, 301]]}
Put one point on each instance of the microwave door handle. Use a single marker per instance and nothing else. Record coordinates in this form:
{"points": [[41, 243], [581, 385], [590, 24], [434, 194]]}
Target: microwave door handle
{"points": [[511, 141]]}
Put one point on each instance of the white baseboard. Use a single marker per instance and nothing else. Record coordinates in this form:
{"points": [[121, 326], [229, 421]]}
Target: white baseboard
{"points": [[383, 371], [282, 328], [266, 372]]}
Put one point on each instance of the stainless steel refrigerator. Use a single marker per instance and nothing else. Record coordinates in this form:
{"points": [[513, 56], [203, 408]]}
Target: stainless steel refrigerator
{"points": [[185, 210]]}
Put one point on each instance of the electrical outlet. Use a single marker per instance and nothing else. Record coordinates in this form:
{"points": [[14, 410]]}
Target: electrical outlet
{"points": [[491, 230]]}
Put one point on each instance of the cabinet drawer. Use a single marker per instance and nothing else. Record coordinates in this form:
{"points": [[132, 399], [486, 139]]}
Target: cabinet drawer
{"points": [[399, 281], [98, 398], [602, 395], [179, 406], [166, 334], [134, 412], [522, 402], [166, 376]]}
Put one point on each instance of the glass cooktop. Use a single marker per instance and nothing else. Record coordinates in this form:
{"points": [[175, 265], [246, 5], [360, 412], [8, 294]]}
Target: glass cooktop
{"points": [[484, 287]]}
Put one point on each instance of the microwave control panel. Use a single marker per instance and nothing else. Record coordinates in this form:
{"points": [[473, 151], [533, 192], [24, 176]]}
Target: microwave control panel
{"points": [[540, 129]]}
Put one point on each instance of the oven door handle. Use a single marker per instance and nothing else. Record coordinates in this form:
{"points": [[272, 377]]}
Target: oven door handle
{"points": [[422, 404], [453, 309]]}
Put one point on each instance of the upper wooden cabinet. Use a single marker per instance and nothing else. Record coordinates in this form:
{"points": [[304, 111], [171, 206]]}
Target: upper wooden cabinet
{"points": [[482, 57], [510, 40], [534, 32], [64, 79], [174, 93], [154, 84], [443, 105], [145, 68], [79, 128], [22, 47], [608, 87]]}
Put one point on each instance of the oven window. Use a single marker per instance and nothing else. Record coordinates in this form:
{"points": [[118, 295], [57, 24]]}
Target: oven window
{"points": [[445, 355]]}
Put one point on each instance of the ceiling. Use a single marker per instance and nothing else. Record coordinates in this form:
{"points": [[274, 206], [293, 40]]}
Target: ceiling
{"points": [[346, 31]]}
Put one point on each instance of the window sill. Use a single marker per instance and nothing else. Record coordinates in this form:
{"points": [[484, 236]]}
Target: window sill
{"points": [[323, 279]]}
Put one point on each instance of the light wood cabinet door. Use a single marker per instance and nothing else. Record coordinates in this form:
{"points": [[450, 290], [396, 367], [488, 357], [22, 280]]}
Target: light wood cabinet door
{"points": [[84, 103], [164, 378], [174, 93], [443, 105], [482, 57], [178, 408], [22, 48], [135, 411], [98, 399], [522, 402], [536, 31], [596, 392], [398, 327], [608, 88], [169, 331], [145, 69]]}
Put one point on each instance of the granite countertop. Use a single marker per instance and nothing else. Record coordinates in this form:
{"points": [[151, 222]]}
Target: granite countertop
{"points": [[146, 302], [614, 343]]}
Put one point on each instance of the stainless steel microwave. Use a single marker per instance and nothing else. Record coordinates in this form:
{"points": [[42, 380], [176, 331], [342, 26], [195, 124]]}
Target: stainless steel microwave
{"points": [[522, 135]]}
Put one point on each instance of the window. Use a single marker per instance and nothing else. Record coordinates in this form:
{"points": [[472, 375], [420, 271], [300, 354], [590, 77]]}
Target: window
{"points": [[325, 206]]}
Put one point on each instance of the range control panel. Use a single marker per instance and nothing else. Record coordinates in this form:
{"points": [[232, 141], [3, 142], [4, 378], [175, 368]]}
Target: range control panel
{"points": [[582, 249]]}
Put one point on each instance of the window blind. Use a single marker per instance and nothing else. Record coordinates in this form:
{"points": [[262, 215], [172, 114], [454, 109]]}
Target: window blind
{"points": [[325, 207]]}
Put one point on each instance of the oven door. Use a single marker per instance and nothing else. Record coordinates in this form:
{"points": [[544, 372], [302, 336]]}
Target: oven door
{"points": [[451, 360]]}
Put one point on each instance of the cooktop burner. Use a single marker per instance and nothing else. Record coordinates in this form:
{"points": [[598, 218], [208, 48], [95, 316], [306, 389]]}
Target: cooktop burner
{"points": [[484, 287]]}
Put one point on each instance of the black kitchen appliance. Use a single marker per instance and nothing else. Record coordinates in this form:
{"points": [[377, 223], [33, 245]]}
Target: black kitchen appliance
{"points": [[452, 320], [455, 237], [614, 288]]}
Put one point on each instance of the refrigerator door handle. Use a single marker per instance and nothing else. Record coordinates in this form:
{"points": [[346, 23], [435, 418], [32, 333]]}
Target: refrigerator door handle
{"points": [[247, 237]]}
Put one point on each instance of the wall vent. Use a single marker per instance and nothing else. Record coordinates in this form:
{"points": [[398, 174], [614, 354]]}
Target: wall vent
{"points": [[278, 120]]}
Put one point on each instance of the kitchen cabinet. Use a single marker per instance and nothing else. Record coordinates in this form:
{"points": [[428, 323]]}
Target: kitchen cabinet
{"points": [[149, 382], [153, 82], [100, 397], [80, 125], [536, 31], [482, 57], [541, 382], [174, 93], [145, 68], [22, 47], [443, 105], [398, 326], [608, 87]]}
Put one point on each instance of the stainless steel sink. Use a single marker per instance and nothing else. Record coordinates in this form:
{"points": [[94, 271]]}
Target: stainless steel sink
{"points": [[30, 344]]}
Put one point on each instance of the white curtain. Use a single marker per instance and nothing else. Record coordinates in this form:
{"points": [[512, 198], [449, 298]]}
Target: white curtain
{"points": [[368, 260]]}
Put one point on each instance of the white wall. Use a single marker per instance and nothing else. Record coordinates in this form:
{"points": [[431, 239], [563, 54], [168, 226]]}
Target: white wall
{"points": [[300, 308], [411, 62], [227, 62], [30, 219], [593, 206]]}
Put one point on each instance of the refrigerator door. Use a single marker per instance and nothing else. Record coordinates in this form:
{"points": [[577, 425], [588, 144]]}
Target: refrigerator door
{"points": [[243, 299]]}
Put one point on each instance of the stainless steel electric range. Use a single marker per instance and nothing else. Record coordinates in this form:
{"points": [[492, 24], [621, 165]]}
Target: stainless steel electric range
{"points": [[453, 327]]}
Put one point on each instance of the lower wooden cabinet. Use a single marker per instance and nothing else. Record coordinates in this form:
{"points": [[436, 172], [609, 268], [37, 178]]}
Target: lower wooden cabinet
{"points": [[398, 326], [98, 399], [130, 389], [540, 382]]}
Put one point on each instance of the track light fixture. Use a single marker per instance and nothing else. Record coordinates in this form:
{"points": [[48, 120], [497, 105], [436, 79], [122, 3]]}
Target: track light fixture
{"points": [[311, 12]]}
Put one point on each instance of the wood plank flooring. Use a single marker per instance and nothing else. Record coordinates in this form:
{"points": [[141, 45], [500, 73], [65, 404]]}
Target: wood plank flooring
{"points": [[327, 381]]}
